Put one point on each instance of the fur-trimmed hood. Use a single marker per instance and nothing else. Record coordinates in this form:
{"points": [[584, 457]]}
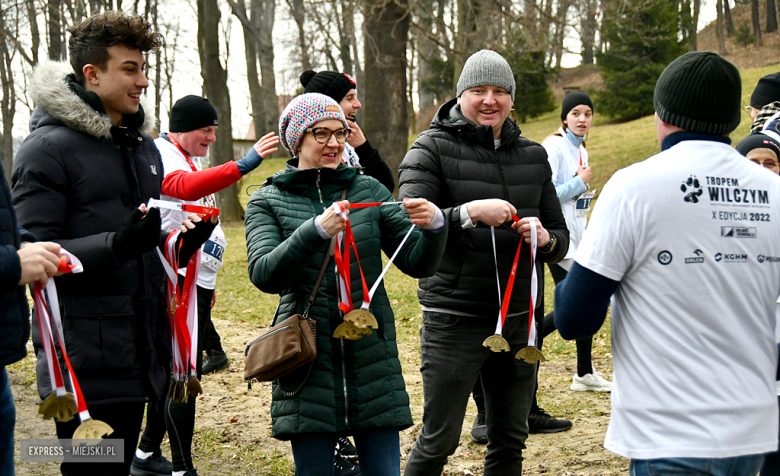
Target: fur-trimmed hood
{"points": [[50, 92]]}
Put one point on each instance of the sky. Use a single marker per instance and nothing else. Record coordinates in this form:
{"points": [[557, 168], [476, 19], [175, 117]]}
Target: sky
{"points": [[187, 78]]}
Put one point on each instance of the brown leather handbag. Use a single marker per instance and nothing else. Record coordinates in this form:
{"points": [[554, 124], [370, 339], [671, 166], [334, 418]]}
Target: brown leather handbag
{"points": [[287, 346]]}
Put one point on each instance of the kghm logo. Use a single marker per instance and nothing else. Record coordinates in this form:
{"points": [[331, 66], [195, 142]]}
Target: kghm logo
{"points": [[692, 189], [768, 259], [731, 257], [697, 259], [664, 257], [738, 232]]}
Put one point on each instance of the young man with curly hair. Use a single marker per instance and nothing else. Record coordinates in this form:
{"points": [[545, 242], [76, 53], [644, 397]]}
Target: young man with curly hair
{"points": [[79, 179]]}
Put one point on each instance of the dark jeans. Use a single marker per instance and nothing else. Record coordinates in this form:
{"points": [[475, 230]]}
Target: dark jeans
{"points": [[178, 419], [7, 423], [452, 357], [739, 466], [771, 465], [125, 419], [378, 450]]}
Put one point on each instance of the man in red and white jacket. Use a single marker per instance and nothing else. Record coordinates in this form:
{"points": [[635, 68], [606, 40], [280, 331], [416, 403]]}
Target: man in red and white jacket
{"points": [[192, 128]]}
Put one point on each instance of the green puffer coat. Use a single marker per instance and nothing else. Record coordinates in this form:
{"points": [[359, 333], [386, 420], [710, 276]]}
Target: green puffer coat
{"points": [[353, 384]]}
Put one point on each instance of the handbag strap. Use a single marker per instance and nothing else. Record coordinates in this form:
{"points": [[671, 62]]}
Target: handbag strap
{"points": [[331, 250]]}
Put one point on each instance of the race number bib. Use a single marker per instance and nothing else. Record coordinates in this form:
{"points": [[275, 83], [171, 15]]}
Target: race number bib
{"points": [[583, 204], [213, 250]]}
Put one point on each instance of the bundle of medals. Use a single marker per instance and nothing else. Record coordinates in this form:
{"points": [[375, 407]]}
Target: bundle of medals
{"points": [[496, 342], [357, 322], [183, 307], [62, 404]]}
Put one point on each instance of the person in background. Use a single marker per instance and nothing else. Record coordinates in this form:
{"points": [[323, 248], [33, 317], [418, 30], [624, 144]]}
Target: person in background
{"points": [[290, 225], [192, 128], [357, 151], [765, 101], [695, 286]]}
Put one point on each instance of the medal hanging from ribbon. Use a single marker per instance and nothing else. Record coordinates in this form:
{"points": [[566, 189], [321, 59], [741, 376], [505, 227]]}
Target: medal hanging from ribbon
{"points": [[183, 317], [357, 322], [62, 404], [496, 342]]}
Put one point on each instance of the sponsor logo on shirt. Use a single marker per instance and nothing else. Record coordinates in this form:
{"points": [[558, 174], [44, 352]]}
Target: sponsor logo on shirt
{"points": [[731, 257], [665, 257], [738, 232], [695, 259], [768, 259]]}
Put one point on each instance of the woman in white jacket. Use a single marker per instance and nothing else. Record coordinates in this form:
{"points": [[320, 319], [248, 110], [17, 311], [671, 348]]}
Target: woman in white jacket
{"points": [[571, 175]]}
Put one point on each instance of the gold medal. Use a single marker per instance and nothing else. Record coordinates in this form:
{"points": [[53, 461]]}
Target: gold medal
{"points": [[62, 408], [91, 432], [194, 387], [531, 355], [496, 343], [347, 330], [361, 318]]}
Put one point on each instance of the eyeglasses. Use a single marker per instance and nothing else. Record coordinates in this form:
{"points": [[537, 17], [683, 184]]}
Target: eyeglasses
{"points": [[748, 110], [769, 164], [323, 135]]}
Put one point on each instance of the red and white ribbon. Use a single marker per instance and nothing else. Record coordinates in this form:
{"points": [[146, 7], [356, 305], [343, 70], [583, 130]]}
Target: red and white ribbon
{"points": [[183, 207]]}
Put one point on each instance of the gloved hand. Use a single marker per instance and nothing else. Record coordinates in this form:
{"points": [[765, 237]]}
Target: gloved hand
{"points": [[140, 233], [261, 150], [194, 233]]}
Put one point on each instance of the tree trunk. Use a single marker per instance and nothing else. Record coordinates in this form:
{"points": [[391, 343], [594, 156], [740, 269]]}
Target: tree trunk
{"points": [[465, 39], [589, 31], [771, 16], [426, 52], [560, 30], [56, 50], [777, 13], [346, 32], [386, 120], [729, 20], [34, 33], [253, 78], [719, 28], [693, 43], [8, 103], [265, 10], [298, 10], [754, 15], [157, 70], [215, 84]]}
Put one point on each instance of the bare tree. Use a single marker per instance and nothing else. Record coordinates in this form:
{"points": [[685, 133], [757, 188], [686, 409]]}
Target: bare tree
{"points": [[427, 51], [771, 16], [588, 36], [215, 84], [298, 10], [35, 35], [56, 47], [729, 20], [8, 102], [693, 39], [386, 120], [754, 15], [719, 27]]}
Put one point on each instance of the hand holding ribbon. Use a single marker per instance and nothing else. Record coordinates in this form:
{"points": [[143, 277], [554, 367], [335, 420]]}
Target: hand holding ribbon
{"points": [[39, 262], [334, 219], [194, 232], [524, 227], [420, 210], [140, 233]]}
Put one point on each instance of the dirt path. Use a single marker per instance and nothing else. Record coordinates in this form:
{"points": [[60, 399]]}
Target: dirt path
{"points": [[234, 426]]}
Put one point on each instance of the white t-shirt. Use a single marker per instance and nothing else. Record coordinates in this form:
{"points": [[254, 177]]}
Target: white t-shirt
{"points": [[693, 236], [564, 158], [213, 249]]}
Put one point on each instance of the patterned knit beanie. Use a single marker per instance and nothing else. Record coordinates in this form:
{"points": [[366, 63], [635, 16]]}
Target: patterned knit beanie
{"points": [[329, 83], [699, 92], [486, 68], [303, 112]]}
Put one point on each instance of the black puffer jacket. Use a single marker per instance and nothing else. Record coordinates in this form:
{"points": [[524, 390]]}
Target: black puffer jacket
{"points": [[75, 179], [14, 311], [456, 162]]}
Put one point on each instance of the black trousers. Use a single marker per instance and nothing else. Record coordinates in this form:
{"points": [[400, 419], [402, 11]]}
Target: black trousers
{"points": [[125, 419]]}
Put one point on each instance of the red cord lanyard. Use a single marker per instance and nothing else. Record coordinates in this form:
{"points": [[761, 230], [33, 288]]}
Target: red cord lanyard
{"points": [[183, 152]]}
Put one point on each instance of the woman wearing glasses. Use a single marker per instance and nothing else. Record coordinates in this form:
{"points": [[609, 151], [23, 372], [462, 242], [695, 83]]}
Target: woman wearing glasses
{"points": [[355, 387], [761, 149]]}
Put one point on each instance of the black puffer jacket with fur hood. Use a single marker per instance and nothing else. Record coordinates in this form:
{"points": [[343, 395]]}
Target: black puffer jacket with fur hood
{"points": [[75, 179]]}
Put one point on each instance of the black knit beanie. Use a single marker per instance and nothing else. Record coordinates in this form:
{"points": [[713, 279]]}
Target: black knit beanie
{"points": [[767, 91], [330, 83], [192, 112], [572, 100], [759, 141], [699, 92]]}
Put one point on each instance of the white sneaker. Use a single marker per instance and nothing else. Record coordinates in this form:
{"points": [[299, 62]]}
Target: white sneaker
{"points": [[592, 382]]}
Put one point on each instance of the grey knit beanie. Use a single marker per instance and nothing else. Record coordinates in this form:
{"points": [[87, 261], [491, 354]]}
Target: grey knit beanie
{"points": [[486, 67], [699, 92]]}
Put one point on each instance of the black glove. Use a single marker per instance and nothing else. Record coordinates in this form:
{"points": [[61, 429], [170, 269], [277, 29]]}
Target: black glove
{"points": [[193, 239], [139, 234]]}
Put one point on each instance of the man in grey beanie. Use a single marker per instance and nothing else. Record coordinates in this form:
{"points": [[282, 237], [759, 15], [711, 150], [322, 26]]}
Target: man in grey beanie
{"points": [[474, 164], [689, 244]]}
